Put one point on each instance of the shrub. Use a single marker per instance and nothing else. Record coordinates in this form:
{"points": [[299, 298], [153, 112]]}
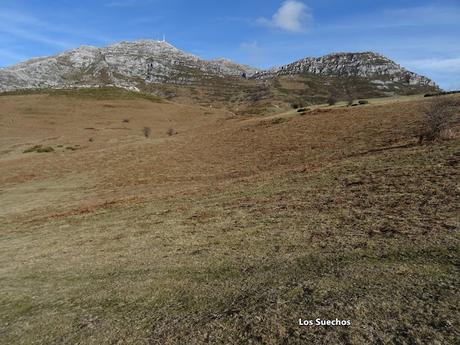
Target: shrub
{"points": [[440, 115], [278, 120], [39, 149], [45, 149], [147, 131], [331, 100], [171, 131], [363, 101], [125, 121]]}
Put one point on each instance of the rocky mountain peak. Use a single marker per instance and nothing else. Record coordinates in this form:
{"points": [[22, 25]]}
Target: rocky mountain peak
{"points": [[138, 64], [122, 64], [370, 65]]}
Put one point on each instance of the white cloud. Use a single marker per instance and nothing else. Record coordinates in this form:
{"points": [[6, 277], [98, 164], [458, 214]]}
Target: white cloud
{"points": [[292, 16]]}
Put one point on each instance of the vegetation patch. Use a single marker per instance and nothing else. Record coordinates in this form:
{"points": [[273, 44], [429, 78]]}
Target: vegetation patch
{"points": [[275, 121], [440, 116], [147, 131], [102, 93], [39, 149], [171, 132]]}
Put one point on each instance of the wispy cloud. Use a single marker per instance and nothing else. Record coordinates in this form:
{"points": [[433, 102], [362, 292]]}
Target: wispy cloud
{"points": [[26, 27], [292, 16], [420, 16], [128, 3], [33, 36], [423, 15], [253, 52], [436, 64], [11, 55]]}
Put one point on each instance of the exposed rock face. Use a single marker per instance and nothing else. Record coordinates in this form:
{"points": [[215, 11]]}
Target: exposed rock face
{"points": [[133, 65], [369, 65], [125, 64]]}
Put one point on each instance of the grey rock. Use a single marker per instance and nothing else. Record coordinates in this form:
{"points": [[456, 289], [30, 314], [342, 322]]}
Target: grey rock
{"points": [[125, 64], [135, 65], [366, 65]]}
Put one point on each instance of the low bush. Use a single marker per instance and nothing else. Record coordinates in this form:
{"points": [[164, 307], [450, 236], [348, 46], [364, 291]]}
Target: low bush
{"points": [[39, 149], [278, 120], [331, 100], [147, 131], [440, 115], [171, 132]]}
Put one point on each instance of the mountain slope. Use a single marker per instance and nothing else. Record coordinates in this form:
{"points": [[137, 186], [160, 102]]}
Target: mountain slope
{"points": [[379, 70], [158, 67], [125, 64], [229, 231], [366, 65]]}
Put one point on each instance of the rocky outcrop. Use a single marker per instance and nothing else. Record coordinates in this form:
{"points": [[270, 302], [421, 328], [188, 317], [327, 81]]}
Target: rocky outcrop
{"points": [[375, 67], [135, 65], [125, 64]]}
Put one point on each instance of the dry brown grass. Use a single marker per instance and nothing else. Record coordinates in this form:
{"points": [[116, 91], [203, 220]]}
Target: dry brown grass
{"points": [[229, 232]]}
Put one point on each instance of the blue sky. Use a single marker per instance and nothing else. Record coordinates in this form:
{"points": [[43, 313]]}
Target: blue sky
{"points": [[423, 36]]}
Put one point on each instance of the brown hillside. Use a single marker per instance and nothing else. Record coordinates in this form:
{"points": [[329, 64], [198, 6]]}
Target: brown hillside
{"points": [[228, 231]]}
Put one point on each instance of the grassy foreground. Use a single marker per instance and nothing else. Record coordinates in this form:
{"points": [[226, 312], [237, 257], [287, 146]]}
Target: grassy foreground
{"points": [[328, 215]]}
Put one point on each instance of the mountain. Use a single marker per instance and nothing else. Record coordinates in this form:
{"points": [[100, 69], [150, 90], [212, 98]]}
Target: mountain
{"points": [[375, 67], [160, 68], [125, 64]]}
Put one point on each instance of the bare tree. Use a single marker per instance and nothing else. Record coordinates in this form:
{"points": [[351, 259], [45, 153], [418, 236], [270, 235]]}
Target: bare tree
{"points": [[440, 115]]}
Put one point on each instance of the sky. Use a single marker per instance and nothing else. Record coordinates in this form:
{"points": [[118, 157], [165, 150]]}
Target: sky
{"points": [[423, 36]]}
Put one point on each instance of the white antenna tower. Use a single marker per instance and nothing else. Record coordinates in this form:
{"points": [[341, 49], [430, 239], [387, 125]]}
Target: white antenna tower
{"points": [[164, 38]]}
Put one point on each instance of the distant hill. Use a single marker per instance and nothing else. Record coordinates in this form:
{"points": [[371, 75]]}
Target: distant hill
{"points": [[160, 68]]}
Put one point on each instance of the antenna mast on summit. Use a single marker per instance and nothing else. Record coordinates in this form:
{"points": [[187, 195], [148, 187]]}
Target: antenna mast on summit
{"points": [[164, 38]]}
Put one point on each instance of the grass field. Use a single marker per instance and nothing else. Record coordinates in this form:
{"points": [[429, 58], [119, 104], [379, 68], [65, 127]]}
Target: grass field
{"points": [[228, 232]]}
